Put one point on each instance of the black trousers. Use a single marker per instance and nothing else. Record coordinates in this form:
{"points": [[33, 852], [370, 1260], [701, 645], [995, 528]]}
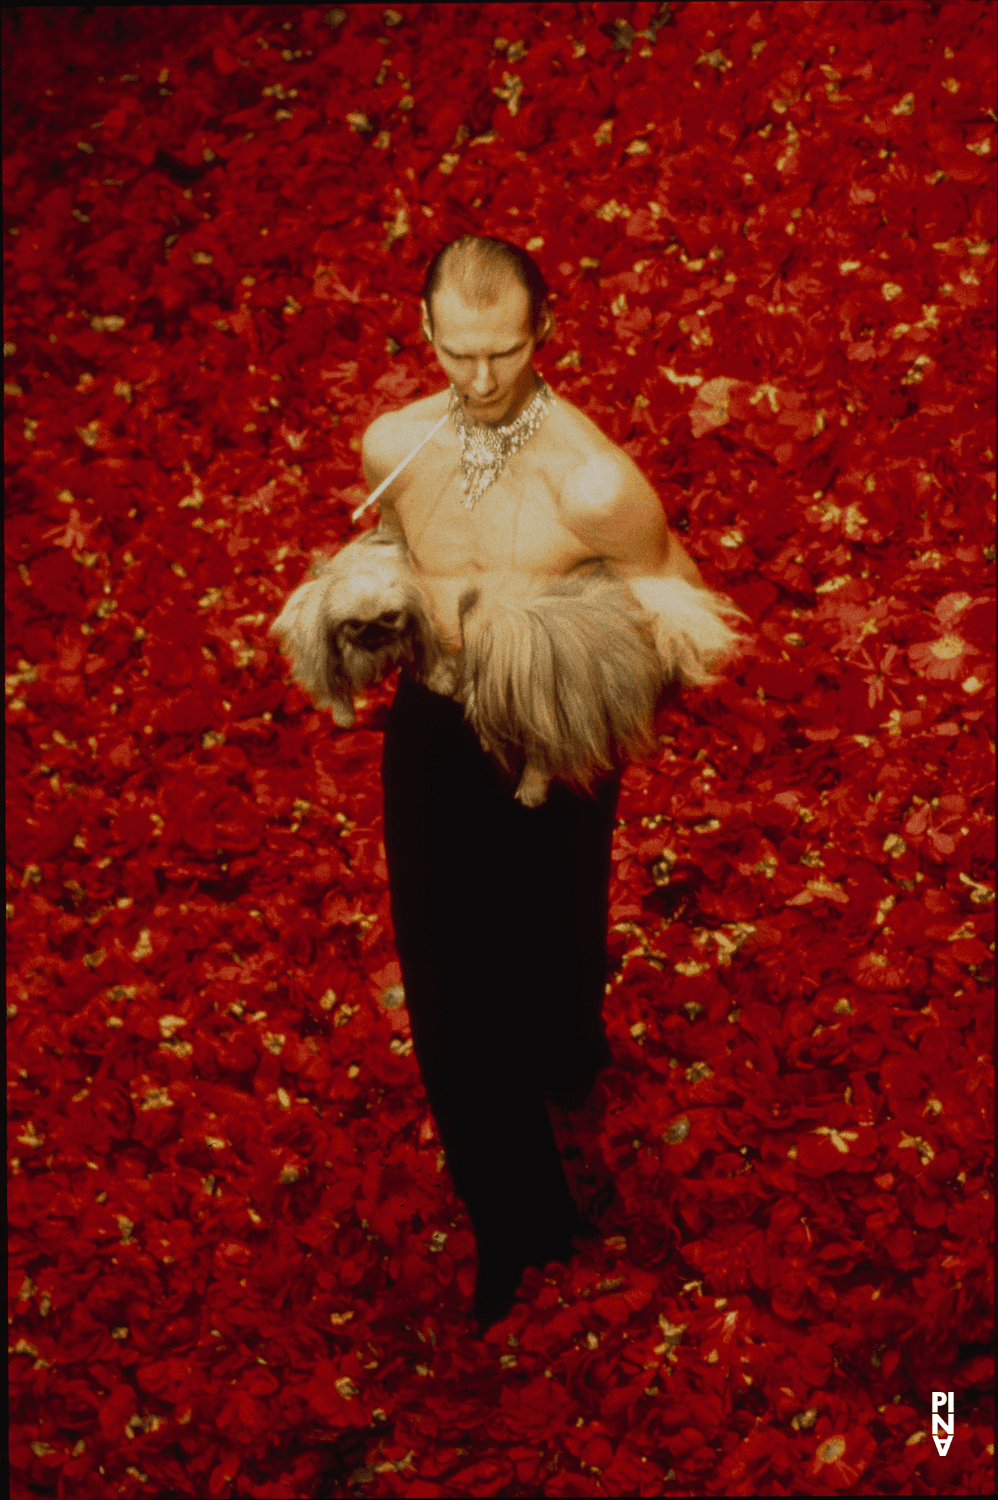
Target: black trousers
{"points": [[500, 916]]}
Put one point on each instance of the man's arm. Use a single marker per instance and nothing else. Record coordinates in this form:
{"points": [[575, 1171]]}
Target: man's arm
{"points": [[609, 506]]}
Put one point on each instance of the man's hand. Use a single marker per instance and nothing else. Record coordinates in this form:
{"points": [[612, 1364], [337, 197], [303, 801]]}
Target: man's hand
{"points": [[610, 506]]}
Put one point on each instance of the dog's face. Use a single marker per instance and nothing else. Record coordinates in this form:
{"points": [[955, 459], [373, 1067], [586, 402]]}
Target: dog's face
{"points": [[359, 615], [371, 613], [372, 634], [368, 645]]}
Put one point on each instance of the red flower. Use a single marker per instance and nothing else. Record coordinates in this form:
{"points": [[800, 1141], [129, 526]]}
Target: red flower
{"points": [[841, 1458], [535, 1409], [945, 659], [221, 819]]}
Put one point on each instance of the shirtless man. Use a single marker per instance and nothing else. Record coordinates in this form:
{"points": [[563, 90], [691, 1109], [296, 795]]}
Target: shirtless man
{"points": [[499, 911], [568, 497]]}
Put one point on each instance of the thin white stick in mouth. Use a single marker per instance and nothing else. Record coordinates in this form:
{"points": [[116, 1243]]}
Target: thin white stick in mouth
{"points": [[395, 472]]}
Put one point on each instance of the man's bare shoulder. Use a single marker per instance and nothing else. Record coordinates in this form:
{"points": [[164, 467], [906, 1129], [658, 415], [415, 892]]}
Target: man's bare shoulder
{"points": [[575, 433], [590, 464], [392, 435]]}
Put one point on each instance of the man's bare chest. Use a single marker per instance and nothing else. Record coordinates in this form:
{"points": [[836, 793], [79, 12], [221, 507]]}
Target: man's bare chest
{"points": [[515, 525]]}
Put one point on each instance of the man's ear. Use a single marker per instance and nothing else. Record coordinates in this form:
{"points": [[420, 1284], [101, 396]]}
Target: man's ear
{"points": [[546, 327]]}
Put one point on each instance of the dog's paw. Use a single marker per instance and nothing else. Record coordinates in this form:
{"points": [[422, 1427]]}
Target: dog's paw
{"points": [[343, 712], [443, 679], [533, 788]]}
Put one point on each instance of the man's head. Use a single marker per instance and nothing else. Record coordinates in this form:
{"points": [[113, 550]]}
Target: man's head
{"points": [[485, 311]]}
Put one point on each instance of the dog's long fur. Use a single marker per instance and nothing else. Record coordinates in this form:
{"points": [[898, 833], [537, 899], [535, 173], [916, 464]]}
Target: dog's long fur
{"points": [[563, 675], [558, 676]]}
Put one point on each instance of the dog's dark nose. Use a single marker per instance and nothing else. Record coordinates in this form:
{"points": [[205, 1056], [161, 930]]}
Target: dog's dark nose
{"points": [[374, 635]]}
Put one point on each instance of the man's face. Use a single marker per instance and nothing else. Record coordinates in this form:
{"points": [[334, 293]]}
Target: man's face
{"points": [[486, 352]]}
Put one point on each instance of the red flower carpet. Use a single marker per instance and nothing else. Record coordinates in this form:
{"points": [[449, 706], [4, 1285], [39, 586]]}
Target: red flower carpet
{"points": [[237, 1264]]}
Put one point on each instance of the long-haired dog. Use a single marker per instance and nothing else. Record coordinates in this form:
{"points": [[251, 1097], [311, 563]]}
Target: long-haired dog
{"points": [[559, 677], [357, 617]]}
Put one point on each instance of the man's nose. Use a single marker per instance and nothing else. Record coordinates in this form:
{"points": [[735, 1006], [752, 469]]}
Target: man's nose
{"points": [[484, 380]]}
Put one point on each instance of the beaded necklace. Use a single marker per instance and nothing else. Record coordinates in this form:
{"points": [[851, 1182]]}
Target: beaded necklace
{"points": [[485, 451]]}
